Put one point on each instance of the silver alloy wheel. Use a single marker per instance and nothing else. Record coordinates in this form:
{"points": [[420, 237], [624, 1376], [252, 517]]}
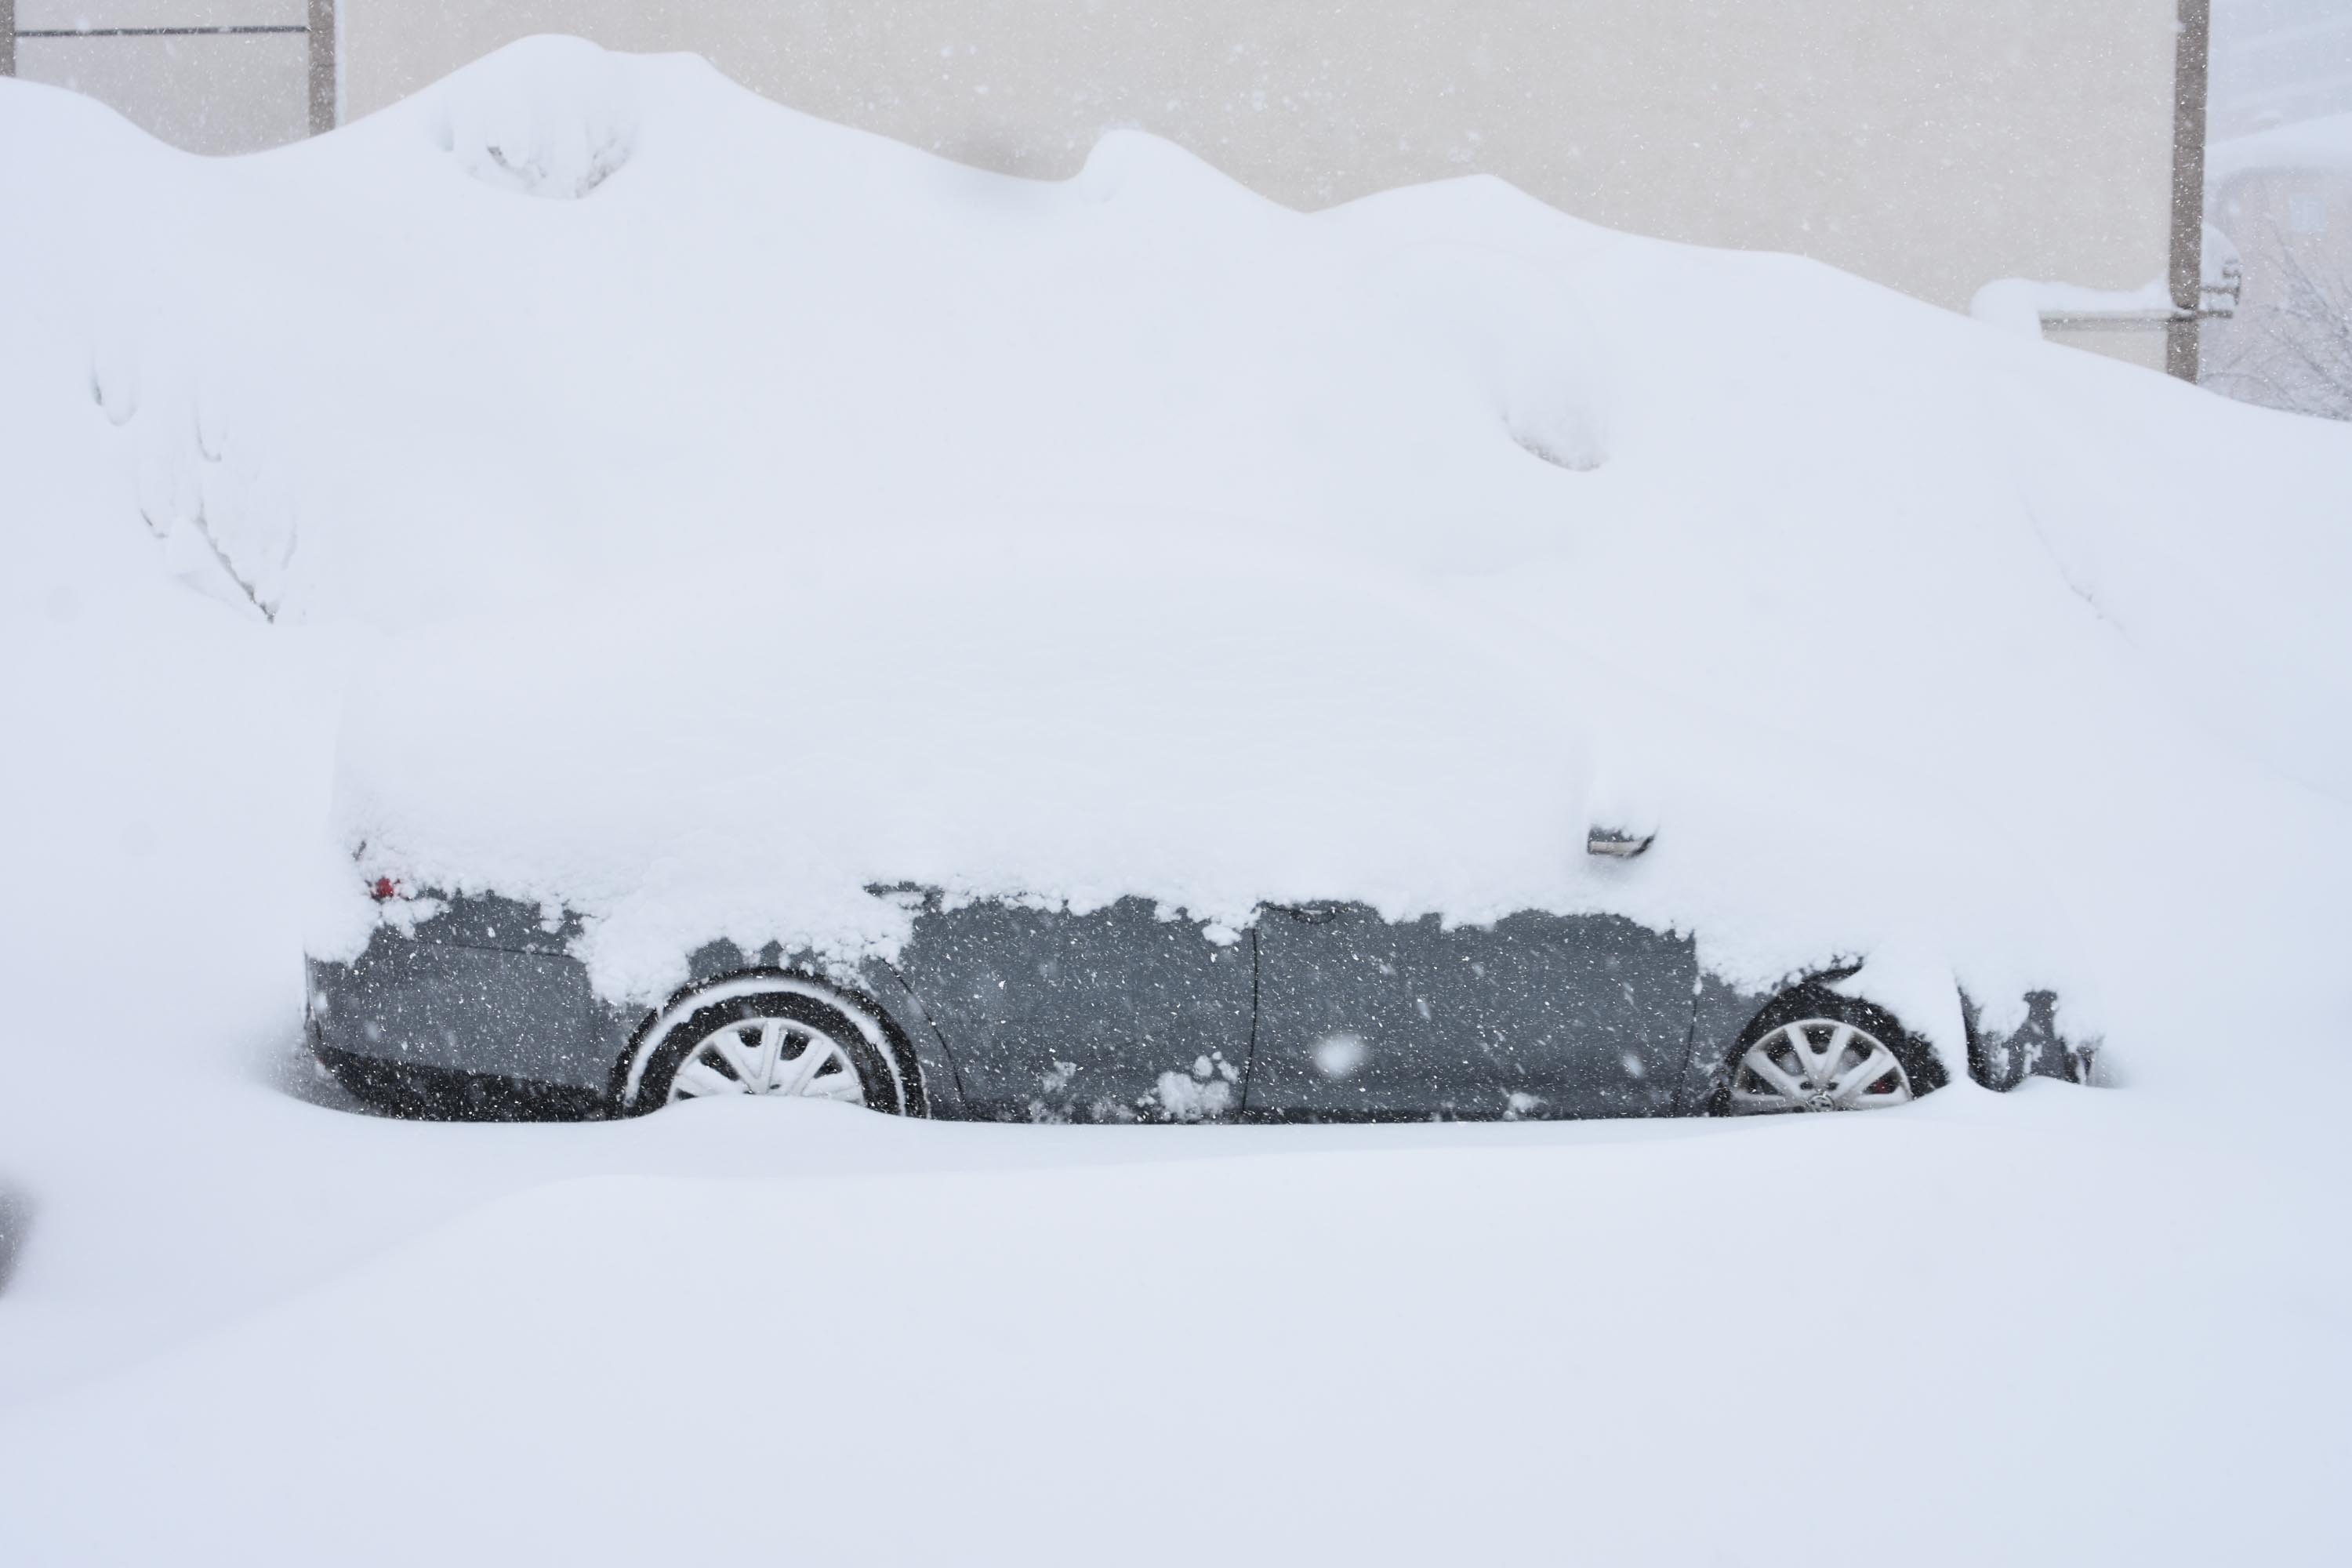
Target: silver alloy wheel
{"points": [[768, 1056], [1818, 1064]]}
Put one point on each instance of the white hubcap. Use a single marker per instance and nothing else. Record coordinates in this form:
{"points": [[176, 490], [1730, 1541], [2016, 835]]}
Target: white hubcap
{"points": [[1818, 1064], [768, 1056]]}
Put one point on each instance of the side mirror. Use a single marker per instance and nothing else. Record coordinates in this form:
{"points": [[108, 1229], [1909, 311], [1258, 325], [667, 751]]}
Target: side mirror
{"points": [[1617, 843]]}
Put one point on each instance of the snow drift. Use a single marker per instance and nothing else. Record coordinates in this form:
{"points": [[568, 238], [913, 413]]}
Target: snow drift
{"points": [[773, 510], [2022, 660]]}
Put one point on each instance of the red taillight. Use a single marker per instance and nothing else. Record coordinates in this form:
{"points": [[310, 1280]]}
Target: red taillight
{"points": [[385, 889]]}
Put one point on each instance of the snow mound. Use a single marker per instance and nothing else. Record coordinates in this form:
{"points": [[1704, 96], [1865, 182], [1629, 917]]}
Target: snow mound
{"points": [[801, 512], [1901, 634]]}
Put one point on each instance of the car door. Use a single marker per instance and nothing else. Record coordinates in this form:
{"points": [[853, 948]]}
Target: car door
{"points": [[1537, 1016], [1117, 1014]]}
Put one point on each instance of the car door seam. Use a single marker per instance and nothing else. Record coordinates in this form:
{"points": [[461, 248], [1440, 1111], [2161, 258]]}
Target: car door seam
{"points": [[1249, 1063]]}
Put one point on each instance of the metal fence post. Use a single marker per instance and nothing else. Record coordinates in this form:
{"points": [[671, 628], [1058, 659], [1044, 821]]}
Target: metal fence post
{"points": [[7, 37], [2190, 53], [322, 41]]}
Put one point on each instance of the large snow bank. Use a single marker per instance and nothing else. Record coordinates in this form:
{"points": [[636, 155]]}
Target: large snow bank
{"points": [[1999, 586], [749, 511], [1554, 1346]]}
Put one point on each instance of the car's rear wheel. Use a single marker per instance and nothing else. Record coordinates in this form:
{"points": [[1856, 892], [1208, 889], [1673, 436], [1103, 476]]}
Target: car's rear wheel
{"points": [[1813, 1049], [774, 1033]]}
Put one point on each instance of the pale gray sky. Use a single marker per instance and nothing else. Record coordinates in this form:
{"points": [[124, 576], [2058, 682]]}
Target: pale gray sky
{"points": [[2275, 62]]}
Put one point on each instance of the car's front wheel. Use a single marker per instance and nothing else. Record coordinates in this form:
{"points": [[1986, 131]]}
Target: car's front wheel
{"points": [[1812, 1048], [771, 1033]]}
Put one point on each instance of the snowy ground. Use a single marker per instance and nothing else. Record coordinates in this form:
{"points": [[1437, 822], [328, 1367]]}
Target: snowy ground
{"points": [[245, 1324]]}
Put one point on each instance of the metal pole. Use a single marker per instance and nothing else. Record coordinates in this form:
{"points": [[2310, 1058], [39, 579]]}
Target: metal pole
{"points": [[7, 37], [321, 16], [2190, 54]]}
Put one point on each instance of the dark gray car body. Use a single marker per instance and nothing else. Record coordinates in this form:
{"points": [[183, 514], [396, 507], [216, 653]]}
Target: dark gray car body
{"points": [[1012, 1012]]}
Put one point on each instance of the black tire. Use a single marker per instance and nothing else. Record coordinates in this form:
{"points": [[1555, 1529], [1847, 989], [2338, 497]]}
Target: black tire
{"points": [[888, 1075], [1815, 999]]}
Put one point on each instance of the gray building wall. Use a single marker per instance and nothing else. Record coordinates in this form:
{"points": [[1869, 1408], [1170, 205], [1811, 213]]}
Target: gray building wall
{"points": [[220, 93], [1931, 146]]}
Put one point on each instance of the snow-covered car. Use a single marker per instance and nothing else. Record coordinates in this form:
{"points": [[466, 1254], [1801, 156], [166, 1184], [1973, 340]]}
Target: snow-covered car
{"points": [[1140, 843], [1115, 648], [1008, 1011]]}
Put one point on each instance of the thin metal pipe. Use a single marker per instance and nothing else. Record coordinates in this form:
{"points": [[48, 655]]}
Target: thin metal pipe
{"points": [[325, 100], [2191, 54]]}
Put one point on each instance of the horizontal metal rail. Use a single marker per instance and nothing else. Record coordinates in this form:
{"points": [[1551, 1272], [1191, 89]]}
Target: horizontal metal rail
{"points": [[2086, 321], [159, 32]]}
